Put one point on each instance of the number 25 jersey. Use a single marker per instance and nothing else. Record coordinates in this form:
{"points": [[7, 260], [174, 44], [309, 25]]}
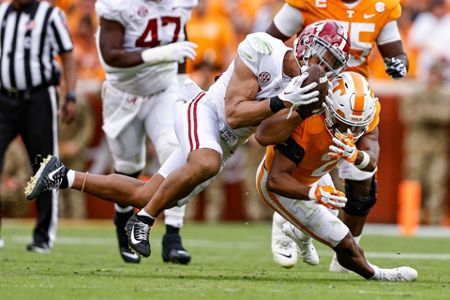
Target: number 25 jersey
{"points": [[364, 22], [147, 24]]}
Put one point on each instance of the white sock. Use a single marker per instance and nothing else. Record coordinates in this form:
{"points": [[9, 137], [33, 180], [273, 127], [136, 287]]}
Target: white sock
{"points": [[143, 213], [121, 209], [70, 178], [357, 239], [377, 274]]}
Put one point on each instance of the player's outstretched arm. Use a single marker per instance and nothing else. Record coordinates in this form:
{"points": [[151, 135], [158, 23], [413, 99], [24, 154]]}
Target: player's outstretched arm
{"points": [[277, 128]]}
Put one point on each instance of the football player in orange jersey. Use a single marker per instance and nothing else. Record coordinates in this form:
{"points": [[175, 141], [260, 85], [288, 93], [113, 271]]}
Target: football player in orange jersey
{"points": [[293, 177], [370, 23]]}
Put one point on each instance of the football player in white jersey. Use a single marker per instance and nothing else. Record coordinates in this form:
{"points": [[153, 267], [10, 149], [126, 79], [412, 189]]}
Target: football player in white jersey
{"points": [[140, 44], [265, 78]]}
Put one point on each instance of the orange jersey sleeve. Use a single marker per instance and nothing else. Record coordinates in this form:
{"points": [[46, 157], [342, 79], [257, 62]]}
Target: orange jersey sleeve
{"points": [[315, 139], [363, 21]]}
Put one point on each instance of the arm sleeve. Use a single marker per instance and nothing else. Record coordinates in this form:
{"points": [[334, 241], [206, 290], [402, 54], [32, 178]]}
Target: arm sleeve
{"points": [[291, 150], [58, 26], [289, 20], [389, 33]]}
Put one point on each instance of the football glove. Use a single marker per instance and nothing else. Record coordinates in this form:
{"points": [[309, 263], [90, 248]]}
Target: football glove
{"points": [[344, 147], [178, 52], [328, 196], [395, 67], [298, 95]]}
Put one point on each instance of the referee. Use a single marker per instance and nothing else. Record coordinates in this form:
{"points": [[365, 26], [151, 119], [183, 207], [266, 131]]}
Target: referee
{"points": [[31, 34]]}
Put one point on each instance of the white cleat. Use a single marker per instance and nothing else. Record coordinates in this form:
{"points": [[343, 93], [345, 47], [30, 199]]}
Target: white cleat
{"points": [[284, 253], [336, 267], [304, 242], [2, 243], [397, 274], [284, 250]]}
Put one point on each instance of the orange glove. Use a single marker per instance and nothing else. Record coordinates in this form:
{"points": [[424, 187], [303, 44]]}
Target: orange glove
{"points": [[328, 196], [344, 147]]}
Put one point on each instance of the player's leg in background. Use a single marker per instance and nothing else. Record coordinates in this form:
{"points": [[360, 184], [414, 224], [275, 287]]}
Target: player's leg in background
{"points": [[159, 126], [361, 192], [127, 147]]}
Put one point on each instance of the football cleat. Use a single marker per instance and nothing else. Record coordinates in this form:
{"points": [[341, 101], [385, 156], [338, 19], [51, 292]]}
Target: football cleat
{"points": [[126, 253], [2, 243], [49, 176], [38, 247], [307, 250], [284, 250], [336, 267], [173, 251], [138, 233], [397, 274], [129, 256]]}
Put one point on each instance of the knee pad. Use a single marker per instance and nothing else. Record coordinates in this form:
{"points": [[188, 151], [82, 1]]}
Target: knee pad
{"points": [[360, 202]]}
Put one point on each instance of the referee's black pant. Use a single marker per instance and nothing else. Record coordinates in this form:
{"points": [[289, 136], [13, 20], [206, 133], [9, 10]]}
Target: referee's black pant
{"points": [[33, 117]]}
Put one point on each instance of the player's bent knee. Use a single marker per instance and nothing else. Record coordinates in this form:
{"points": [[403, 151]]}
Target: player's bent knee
{"points": [[361, 197], [204, 163], [347, 246]]}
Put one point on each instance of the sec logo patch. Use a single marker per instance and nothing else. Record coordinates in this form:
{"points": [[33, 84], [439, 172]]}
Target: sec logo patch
{"points": [[264, 77]]}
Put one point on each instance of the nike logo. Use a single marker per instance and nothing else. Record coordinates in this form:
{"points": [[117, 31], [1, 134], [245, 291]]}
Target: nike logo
{"points": [[133, 240], [285, 255], [367, 16], [130, 255], [51, 174]]}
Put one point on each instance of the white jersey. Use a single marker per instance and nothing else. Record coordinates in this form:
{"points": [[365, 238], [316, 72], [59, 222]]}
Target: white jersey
{"points": [[263, 55], [147, 24]]}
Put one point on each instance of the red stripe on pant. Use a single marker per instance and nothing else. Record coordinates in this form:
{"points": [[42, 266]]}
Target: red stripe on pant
{"points": [[192, 122]]}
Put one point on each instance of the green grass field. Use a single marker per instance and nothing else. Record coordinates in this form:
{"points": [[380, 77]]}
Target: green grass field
{"points": [[230, 261]]}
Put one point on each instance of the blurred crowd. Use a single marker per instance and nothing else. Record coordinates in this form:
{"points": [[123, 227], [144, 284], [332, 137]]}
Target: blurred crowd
{"points": [[217, 26]]}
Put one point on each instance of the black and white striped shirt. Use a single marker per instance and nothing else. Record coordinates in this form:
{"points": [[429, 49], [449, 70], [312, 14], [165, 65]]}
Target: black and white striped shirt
{"points": [[29, 40]]}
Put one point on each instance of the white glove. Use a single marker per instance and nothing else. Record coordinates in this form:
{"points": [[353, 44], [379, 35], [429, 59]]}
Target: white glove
{"points": [[395, 67], [298, 95], [328, 196], [178, 52]]}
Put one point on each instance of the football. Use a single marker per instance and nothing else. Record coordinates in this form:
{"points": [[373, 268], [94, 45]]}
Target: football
{"points": [[316, 74]]}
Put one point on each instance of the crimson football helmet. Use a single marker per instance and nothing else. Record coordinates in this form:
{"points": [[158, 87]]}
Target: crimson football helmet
{"points": [[351, 106], [327, 42]]}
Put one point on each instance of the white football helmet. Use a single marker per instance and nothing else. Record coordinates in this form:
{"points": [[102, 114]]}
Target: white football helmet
{"points": [[350, 105]]}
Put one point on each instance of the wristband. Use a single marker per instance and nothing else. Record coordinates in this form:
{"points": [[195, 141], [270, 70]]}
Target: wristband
{"points": [[312, 193], [276, 104], [71, 97], [365, 161]]}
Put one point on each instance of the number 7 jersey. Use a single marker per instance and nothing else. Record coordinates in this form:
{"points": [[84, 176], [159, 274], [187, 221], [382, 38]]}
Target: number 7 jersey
{"points": [[147, 24]]}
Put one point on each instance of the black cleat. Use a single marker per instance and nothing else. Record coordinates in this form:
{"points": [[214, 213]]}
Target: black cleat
{"points": [[38, 247], [50, 175], [173, 251], [138, 232], [127, 254]]}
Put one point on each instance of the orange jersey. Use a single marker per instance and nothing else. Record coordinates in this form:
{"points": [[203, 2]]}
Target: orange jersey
{"points": [[363, 22], [313, 136]]}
